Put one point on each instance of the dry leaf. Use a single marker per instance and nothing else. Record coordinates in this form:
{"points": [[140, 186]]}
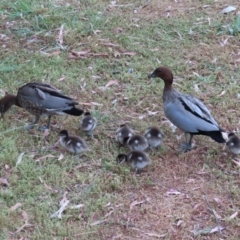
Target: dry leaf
{"points": [[19, 159], [228, 9], [110, 44], [46, 132], [129, 53], [111, 82], [4, 182], [77, 206], [196, 88], [173, 192], [50, 188], [134, 203], [233, 216], [236, 162], [54, 53], [15, 206], [60, 157], [61, 79], [25, 216]]}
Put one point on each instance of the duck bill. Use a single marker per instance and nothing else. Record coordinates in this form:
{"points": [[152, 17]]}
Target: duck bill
{"points": [[152, 75]]}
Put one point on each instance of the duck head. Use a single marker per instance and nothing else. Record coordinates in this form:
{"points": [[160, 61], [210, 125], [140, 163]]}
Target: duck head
{"points": [[164, 73], [6, 102]]}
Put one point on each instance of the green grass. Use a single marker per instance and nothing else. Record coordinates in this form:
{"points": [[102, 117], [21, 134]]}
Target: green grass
{"points": [[192, 42]]}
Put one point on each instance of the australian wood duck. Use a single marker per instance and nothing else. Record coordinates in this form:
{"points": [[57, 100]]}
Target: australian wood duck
{"points": [[137, 143], [123, 133], [187, 112], [40, 100]]}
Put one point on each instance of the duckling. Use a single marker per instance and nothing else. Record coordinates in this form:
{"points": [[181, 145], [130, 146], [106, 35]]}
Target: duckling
{"points": [[123, 133], [137, 159], [40, 99], [154, 137], [137, 143], [186, 112], [73, 144], [233, 143], [88, 123]]}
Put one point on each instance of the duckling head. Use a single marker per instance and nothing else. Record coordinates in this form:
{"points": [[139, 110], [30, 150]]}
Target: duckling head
{"points": [[63, 133], [121, 158], [87, 114], [164, 73]]}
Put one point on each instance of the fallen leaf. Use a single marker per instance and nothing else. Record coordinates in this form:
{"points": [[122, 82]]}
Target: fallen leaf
{"points": [[4, 182], [236, 162], [228, 9], [15, 206], [77, 206], [46, 132], [129, 53], [60, 157], [110, 44], [19, 159], [25, 215], [173, 192], [50, 188], [233, 216], [61, 79], [134, 203], [111, 82]]}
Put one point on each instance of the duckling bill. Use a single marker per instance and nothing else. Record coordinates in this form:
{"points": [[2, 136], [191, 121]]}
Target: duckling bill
{"points": [[73, 144], [186, 112], [40, 99], [137, 159]]}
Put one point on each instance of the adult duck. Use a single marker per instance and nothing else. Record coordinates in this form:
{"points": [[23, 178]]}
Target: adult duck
{"points": [[186, 112], [40, 99]]}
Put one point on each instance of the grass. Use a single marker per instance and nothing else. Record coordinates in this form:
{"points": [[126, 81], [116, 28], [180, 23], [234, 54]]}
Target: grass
{"points": [[111, 202]]}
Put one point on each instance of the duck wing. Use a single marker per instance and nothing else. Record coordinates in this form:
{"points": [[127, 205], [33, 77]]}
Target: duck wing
{"points": [[190, 115]]}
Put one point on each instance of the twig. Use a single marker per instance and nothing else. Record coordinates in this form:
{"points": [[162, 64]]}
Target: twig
{"points": [[213, 212]]}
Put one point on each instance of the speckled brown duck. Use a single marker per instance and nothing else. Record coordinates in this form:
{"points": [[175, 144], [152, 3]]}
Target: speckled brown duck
{"points": [[40, 99]]}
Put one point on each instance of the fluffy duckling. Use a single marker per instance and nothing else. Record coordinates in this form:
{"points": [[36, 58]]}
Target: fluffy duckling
{"points": [[40, 99], [137, 143], [123, 133], [137, 159], [88, 123], [154, 137], [233, 143], [73, 144], [186, 112]]}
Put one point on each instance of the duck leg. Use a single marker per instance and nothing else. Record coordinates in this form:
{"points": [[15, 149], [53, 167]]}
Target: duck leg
{"points": [[43, 128], [31, 125], [187, 146]]}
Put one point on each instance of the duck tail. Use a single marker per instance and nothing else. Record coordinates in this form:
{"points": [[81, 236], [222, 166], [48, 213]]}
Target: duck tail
{"points": [[74, 111], [218, 136]]}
